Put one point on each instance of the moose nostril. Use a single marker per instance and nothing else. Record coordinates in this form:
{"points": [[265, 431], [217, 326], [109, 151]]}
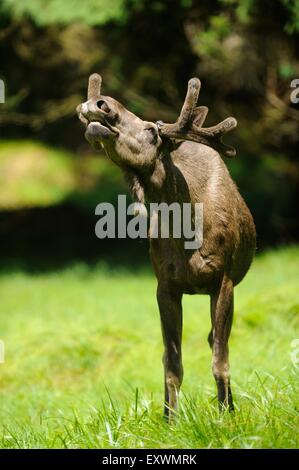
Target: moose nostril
{"points": [[103, 106]]}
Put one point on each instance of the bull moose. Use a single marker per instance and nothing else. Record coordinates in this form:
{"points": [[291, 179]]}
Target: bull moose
{"points": [[181, 162]]}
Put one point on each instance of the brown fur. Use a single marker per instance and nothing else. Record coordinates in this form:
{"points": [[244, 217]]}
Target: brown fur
{"points": [[161, 169]]}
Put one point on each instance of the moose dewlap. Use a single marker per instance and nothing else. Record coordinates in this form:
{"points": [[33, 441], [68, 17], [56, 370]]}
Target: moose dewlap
{"points": [[180, 163]]}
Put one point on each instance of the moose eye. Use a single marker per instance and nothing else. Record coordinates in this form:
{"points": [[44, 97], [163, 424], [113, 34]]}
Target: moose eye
{"points": [[103, 106]]}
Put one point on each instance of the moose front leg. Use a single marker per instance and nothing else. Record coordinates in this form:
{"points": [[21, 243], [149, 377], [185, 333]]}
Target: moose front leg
{"points": [[222, 306], [170, 306]]}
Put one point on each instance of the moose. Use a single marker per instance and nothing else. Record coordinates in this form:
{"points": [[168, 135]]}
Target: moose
{"points": [[181, 162]]}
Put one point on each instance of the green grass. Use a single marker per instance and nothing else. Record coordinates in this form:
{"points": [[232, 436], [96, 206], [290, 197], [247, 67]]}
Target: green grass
{"points": [[83, 361]]}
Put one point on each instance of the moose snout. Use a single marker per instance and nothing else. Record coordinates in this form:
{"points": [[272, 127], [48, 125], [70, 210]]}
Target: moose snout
{"points": [[90, 111], [95, 113]]}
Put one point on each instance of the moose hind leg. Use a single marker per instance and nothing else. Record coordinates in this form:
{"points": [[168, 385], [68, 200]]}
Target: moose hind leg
{"points": [[170, 306], [222, 306]]}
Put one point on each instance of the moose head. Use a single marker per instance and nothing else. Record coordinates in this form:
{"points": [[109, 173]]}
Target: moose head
{"points": [[131, 142]]}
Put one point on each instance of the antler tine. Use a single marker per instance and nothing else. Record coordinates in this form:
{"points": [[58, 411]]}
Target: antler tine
{"points": [[219, 129], [215, 133], [189, 103], [189, 124], [184, 120], [94, 86], [199, 115], [93, 92]]}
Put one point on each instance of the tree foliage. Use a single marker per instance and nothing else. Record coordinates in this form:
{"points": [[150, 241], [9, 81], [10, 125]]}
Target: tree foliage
{"points": [[244, 51], [47, 12]]}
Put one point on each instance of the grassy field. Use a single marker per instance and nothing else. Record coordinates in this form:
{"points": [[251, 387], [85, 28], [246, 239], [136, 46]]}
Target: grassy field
{"points": [[83, 361]]}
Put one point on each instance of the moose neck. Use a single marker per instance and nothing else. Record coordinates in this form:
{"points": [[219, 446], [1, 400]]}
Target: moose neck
{"points": [[162, 182]]}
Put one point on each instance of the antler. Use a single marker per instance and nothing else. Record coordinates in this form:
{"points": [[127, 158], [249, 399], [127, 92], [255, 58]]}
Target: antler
{"points": [[94, 86], [93, 94], [189, 124]]}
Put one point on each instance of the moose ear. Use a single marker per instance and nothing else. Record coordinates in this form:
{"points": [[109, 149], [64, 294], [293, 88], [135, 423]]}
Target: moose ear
{"points": [[94, 86]]}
